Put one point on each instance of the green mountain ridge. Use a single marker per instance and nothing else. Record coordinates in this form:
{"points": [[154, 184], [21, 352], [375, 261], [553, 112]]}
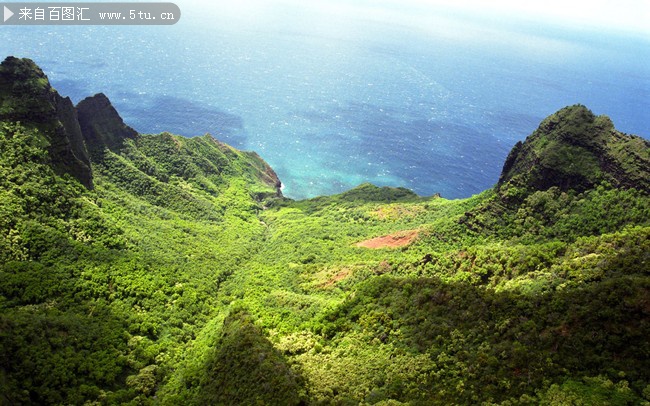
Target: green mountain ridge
{"points": [[157, 269], [574, 149], [28, 97]]}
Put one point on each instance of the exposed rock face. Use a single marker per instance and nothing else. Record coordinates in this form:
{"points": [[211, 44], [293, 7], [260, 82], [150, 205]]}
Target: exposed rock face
{"points": [[101, 125], [266, 174], [574, 149], [26, 96]]}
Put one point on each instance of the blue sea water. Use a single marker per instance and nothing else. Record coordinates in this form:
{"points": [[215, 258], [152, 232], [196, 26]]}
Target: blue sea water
{"points": [[334, 101]]}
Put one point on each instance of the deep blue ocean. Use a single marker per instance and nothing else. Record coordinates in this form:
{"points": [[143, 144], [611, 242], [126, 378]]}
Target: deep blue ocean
{"points": [[334, 102]]}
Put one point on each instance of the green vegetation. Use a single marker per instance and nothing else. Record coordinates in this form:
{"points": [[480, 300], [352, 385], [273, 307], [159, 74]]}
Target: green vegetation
{"points": [[575, 150], [182, 277]]}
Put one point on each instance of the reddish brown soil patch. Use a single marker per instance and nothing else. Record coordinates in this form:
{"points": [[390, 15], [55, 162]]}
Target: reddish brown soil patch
{"points": [[399, 239], [336, 278]]}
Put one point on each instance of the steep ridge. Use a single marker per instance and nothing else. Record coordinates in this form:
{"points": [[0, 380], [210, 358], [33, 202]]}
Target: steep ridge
{"points": [[572, 152], [574, 149], [101, 125], [95, 131], [27, 97]]}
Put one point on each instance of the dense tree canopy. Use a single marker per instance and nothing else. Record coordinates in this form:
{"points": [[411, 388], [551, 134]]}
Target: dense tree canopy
{"points": [[182, 277]]}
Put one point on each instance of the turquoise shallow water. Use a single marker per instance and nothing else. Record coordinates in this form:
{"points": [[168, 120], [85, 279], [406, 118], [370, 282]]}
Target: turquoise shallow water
{"points": [[330, 106]]}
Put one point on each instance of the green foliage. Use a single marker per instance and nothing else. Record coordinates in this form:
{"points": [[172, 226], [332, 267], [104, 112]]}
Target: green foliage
{"points": [[364, 193], [245, 368], [53, 356], [571, 160], [183, 278], [553, 214], [589, 391], [20, 81], [574, 149]]}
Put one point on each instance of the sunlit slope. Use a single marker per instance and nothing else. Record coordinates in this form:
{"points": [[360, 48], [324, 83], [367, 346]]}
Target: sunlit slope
{"points": [[179, 275]]}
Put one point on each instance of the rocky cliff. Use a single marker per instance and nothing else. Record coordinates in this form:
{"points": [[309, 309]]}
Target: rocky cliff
{"points": [[93, 130], [26, 96], [101, 125], [574, 149]]}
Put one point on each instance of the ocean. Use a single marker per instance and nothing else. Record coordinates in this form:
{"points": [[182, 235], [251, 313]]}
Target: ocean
{"points": [[332, 101]]}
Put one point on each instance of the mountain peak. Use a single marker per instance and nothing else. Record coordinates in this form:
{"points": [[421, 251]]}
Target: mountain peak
{"points": [[75, 135], [575, 149], [101, 125], [26, 96]]}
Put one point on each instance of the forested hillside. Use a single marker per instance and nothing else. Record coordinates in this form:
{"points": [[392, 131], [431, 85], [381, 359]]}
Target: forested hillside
{"points": [[157, 269]]}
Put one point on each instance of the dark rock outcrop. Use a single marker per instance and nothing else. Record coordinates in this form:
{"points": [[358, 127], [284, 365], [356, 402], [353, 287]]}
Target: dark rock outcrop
{"points": [[574, 149], [27, 97], [101, 125]]}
